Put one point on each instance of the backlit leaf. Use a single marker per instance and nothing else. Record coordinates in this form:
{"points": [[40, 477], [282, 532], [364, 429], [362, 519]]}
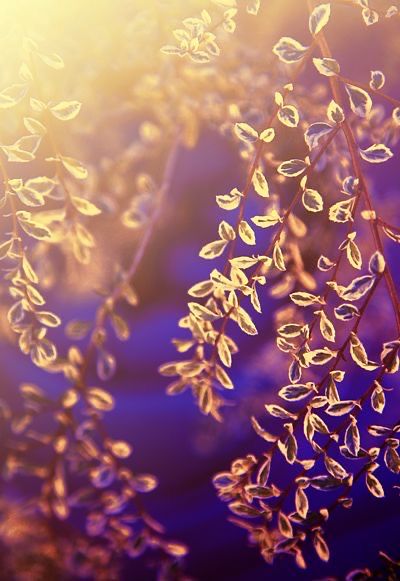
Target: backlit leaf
{"points": [[289, 50], [66, 110], [327, 66], [246, 133], [360, 101], [319, 18], [312, 200], [377, 153], [292, 167]]}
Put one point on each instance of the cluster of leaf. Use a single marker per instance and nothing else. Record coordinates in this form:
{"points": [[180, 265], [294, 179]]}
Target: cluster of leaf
{"points": [[60, 440], [197, 39], [324, 435]]}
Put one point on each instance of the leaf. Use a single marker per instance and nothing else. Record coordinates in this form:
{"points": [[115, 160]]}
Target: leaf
{"points": [[30, 197], [244, 261], [326, 327], [290, 330], [312, 200], [353, 254], [289, 50], [279, 412], [34, 126], [327, 66], [255, 491], [292, 167], [360, 101], [42, 185], [100, 399], [74, 167], [377, 263], [392, 235], [37, 105], [120, 448], [378, 398], [370, 16], [335, 112], [12, 95], [201, 289], [5, 247], [377, 80], [253, 7], [226, 232], [284, 525], [296, 392], [340, 408], [260, 184], [223, 377], [325, 482], [320, 546], [224, 353], [48, 319], [105, 365], [268, 220], [85, 207], [246, 233], [261, 432], [390, 356], [245, 132], [29, 271], [341, 211], [374, 486], [32, 228], [335, 468], [244, 510], [304, 299], [277, 257], [267, 135], [358, 288], [392, 460], [319, 356], [314, 133], [120, 327], [230, 201], [377, 153], [289, 448], [301, 502], [213, 249], [66, 110], [172, 49], [325, 264], [289, 116], [396, 115], [346, 312], [202, 313], [357, 351], [51, 60], [319, 18], [352, 437], [245, 322], [22, 150]]}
